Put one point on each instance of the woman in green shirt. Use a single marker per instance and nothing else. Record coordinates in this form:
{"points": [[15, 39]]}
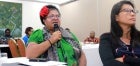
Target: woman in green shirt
{"points": [[54, 45]]}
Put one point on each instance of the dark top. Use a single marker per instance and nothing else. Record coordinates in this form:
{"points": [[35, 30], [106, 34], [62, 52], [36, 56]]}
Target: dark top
{"points": [[108, 55]]}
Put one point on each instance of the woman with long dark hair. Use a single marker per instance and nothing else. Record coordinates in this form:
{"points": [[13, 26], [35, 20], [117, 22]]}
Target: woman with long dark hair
{"points": [[121, 46]]}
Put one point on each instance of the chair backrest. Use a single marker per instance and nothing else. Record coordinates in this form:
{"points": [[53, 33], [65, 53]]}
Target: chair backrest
{"points": [[21, 47], [13, 48]]}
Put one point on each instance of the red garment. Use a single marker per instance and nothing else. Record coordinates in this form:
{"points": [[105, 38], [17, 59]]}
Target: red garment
{"points": [[90, 39]]}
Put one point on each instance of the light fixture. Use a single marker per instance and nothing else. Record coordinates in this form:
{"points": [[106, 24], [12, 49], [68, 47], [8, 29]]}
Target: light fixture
{"points": [[59, 2]]}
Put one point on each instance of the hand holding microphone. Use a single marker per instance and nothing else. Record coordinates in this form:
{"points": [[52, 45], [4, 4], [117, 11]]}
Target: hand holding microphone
{"points": [[56, 35]]}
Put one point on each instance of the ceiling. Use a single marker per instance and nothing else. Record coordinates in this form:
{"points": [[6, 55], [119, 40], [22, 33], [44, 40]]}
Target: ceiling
{"points": [[59, 2]]}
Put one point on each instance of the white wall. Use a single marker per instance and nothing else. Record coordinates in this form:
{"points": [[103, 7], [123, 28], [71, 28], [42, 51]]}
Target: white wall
{"points": [[30, 14], [84, 16], [81, 17]]}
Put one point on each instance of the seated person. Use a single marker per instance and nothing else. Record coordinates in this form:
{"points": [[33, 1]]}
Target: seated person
{"points": [[7, 35], [28, 32], [54, 43], [121, 46], [92, 38], [4, 40]]}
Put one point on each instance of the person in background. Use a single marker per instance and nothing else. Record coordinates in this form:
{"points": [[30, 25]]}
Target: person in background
{"points": [[28, 32], [8, 33], [67, 29], [5, 38], [91, 38], [121, 46], [53, 42]]}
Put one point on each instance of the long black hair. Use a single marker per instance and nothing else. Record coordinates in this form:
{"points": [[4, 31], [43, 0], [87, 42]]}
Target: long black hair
{"points": [[116, 30]]}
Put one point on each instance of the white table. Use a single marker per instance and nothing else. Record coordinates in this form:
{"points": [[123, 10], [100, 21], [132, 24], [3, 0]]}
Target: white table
{"points": [[92, 54], [4, 45], [24, 60]]}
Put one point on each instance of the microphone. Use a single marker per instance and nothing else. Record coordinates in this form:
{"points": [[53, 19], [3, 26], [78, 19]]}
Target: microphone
{"points": [[56, 27]]}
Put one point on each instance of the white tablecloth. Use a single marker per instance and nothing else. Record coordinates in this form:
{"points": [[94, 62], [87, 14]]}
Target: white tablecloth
{"points": [[92, 54], [24, 60]]}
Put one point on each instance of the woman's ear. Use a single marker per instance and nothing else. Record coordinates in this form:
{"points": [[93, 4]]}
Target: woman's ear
{"points": [[44, 21]]}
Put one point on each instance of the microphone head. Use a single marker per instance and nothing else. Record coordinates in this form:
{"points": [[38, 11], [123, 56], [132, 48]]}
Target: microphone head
{"points": [[56, 27]]}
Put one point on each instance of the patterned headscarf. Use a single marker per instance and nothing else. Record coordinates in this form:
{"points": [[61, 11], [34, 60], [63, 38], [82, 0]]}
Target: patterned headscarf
{"points": [[66, 50]]}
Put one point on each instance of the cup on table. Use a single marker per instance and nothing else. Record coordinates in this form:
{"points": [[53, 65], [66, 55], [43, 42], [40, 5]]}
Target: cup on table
{"points": [[3, 55]]}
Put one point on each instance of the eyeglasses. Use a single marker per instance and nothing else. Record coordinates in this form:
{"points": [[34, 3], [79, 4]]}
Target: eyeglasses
{"points": [[53, 16], [129, 11]]}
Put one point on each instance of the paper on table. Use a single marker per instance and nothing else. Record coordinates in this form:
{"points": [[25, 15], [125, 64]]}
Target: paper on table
{"points": [[49, 63], [18, 59], [24, 60]]}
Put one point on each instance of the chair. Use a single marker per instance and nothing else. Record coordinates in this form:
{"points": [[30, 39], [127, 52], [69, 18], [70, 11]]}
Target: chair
{"points": [[13, 48], [21, 47]]}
